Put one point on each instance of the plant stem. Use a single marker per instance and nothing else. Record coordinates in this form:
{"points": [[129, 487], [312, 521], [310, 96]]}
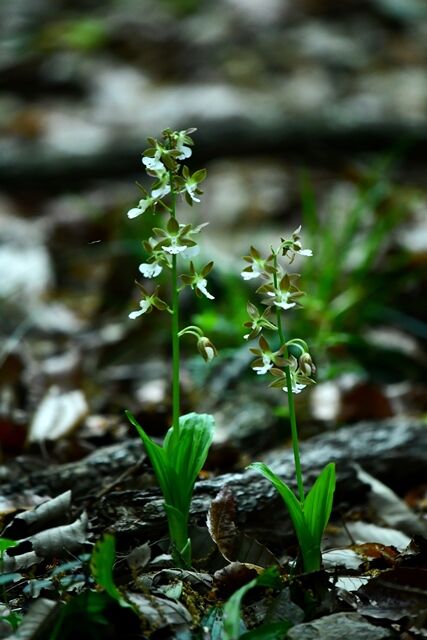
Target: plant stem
{"points": [[291, 403], [175, 328]]}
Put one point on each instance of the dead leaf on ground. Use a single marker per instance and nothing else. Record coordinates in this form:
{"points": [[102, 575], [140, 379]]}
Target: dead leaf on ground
{"points": [[398, 594], [232, 544]]}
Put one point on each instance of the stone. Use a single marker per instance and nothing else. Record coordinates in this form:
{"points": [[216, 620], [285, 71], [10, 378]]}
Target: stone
{"points": [[338, 626]]}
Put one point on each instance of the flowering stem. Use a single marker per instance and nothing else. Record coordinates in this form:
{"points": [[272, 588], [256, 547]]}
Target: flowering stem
{"points": [[191, 331], [292, 416], [175, 328]]}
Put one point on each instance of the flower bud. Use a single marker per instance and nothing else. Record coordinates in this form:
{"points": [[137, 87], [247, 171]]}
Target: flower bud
{"points": [[306, 364], [206, 348]]}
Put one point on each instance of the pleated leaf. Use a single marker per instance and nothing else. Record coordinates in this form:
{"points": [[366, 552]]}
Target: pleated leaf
{"points": [[176, 465], [318, 503]]}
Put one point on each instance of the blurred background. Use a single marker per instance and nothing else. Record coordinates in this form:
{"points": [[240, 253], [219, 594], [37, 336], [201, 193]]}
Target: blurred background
{"points": [[311, 112]]}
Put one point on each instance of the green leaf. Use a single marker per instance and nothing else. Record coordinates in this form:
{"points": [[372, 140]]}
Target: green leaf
{"points": [[309, 545], [178, 528], [156, 455], [232, 618], [83, 615], [14, 619], [101, 565], [318, 503], [176, 465], [186, 452], [5, 543], [293, 504], [233, 623]]}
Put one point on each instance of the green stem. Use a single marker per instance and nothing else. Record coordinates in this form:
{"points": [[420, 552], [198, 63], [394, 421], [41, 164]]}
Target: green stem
{"points": [[291, 402], [186, 331], [192, 328], [175, 328]]}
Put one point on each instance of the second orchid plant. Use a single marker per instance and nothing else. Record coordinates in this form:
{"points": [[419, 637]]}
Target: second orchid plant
{"points": [[292, 369], [183, 453]]}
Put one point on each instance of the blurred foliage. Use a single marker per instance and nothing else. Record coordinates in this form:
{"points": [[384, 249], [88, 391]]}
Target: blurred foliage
{"points": [[224, 320], [355, 277], [354, 282], [81, 34], [183, 7]]}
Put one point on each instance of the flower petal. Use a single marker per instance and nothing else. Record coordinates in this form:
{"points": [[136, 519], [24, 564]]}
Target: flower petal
{"points": [[201, 286], [175, 249], [135, 314], [153, 164], [249, 275], [133, 213], [264, 369], [161, 192], [191, 187], [284, 305], [185, 152], [150, 270]]}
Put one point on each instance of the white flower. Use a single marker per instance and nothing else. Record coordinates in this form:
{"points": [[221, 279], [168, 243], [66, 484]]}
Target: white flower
{"points": [[254, 273], [191, 187], [201, 286], [296, 387], [162, 191], [174, 248], [143, 205], [184, 151], [145, 306], [281, 299], [150, 269], [154, 163], [267, 365], [293, 247]]}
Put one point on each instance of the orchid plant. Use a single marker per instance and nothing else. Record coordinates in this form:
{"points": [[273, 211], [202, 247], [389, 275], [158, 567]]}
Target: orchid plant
{"points": [[183, 453], [292, 369]]}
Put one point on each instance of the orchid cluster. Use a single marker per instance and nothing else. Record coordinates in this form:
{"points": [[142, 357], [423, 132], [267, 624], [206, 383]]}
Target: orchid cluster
{"points": [[178, 461], [292, 368], [291, 365], [163, 162], [180, 458]]}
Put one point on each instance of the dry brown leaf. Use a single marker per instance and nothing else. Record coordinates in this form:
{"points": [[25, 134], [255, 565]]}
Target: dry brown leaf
{"points": [[221, 524]]}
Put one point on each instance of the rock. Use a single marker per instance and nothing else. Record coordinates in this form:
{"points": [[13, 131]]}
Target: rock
{"points": [[338, 626], [330, 43], [245, 191], [393, 450], [26, 260], [262, 15]]}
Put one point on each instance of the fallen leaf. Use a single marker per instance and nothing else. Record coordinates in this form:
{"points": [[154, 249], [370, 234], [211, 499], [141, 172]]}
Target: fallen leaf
{"points": [[58, 415]]}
